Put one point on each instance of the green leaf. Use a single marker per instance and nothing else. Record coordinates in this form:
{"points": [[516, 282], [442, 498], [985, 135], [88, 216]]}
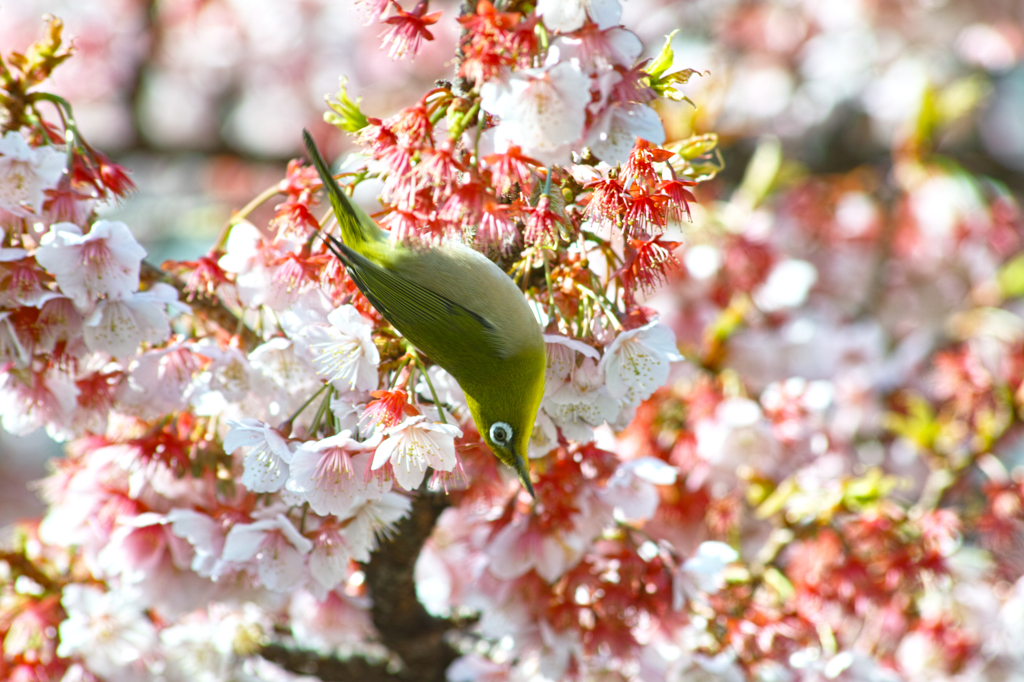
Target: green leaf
{"points": [[697, 145], [663, 62], [345, 113]]}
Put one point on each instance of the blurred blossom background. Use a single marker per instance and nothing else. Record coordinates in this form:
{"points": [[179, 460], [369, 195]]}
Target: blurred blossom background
{"points": [[204, 101]]}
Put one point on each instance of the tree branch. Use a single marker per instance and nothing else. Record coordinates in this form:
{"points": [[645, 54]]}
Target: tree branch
{"points": [[214, 311], [405, 627]]}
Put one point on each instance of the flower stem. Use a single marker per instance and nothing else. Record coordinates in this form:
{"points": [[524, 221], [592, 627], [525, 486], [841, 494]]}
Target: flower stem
{"points": [[430, 384], [306, 404], [551, 294], [321, 411], [464, 122]]}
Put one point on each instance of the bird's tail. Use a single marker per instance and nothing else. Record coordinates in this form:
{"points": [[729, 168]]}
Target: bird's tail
{"points": [[357, 228]]}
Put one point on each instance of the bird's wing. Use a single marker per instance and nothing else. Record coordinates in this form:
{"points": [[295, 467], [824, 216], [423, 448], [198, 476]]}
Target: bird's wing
{"points": [[409, 306]]}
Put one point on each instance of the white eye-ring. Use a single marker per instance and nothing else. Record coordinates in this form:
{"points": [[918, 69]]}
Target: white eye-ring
{"points": [[501, 433]]}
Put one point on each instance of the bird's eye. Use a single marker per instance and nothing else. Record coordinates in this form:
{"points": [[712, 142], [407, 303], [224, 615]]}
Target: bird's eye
{"points": [[501, 433]]}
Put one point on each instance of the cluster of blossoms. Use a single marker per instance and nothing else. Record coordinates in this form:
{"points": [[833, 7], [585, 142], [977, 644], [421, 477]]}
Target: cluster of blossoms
{"points": [[829, 487], [233, 461]]}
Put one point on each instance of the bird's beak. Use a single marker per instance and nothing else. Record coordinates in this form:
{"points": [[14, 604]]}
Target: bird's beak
{"points": [[524, 474]]}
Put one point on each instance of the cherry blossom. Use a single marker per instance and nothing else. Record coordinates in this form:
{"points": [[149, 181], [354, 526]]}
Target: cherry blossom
{"points": [[329, 475], [570, 15], [520, 547], [39, 399], [637, 361], [266, 462], [26, 173], [414, 445], [344, 352], [611, 137], [541, 110], [703, 571], [104, 262], [581, 402], [829, 488], [118, 326], [737, 436], [631, 489], [337, 621], [205, 535], [373, 518], [111, 635], [273, 547]]}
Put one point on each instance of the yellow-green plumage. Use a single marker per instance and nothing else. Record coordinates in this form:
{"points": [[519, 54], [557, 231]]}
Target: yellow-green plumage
{"points": [[458, 308]]}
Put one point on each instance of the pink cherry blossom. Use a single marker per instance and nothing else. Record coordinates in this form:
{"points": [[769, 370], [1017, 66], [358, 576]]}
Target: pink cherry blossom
{"points": [[32, 400], [414, 445], [329, 475], [338, 621]]}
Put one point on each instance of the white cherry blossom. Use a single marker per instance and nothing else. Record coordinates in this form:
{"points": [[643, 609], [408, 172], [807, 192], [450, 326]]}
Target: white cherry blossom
{"points": [[581, 402], [205, 535], [228, 376], [414, 445], [328, 560], [631, 489], [118, 326], [737, 435], [787, 286], [204, 645], [266, 462], [561, 351], [611, 137], [286, 364], [636, 363], [448, 390], [545, 435], [705, 567], [107, 631], [344, 352], [26, 173], [569, 15], [104, 262], [275, 546], [372, 519], [542, 110], [244, 256], [599, 50]]}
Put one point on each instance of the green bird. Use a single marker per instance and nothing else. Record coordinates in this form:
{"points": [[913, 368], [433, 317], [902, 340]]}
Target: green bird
{"points": [[460, 309]]}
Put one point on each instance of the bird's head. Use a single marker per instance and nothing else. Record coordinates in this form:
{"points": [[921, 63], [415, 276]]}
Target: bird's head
{"points": [[505, 415]]}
